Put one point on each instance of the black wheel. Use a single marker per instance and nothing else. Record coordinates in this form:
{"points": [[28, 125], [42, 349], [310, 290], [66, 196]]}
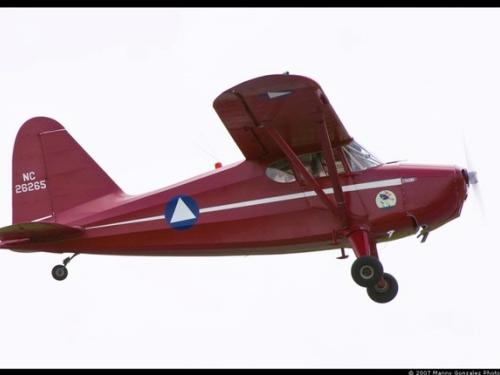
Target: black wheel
{"points": [[386, 293], [367, 271], [59, 272]]}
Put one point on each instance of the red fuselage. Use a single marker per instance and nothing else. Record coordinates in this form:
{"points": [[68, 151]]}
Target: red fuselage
{"points": [[242, 211], [305, 185]]}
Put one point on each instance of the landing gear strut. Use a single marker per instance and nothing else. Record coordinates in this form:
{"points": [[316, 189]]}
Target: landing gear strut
{"points": [[368, 272], [60, 271]]}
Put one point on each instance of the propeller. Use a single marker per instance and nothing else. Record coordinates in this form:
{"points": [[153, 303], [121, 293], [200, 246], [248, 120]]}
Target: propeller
{"points": [[471, 177]]}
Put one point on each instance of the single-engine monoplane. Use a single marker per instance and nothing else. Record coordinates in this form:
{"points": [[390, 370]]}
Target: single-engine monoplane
{"points": [[305, 185]]}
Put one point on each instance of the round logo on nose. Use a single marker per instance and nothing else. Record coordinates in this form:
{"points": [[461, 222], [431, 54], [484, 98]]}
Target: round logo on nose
{"points": [[385, 199]]}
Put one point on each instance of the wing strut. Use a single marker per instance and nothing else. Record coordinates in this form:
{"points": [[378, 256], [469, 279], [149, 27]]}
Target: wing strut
{"points": [[310, 180], [337, 208], [326, 145]]}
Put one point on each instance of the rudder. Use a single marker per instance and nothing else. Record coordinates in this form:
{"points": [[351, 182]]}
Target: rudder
{"points": [[52, 173]]}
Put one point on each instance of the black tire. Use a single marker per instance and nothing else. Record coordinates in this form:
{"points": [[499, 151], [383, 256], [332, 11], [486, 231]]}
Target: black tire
{"points": [[367, 271], [385, 294], [59, 272]]}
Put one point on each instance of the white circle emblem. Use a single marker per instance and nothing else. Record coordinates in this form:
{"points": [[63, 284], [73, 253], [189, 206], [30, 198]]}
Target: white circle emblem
{"points": [[385, 199]]}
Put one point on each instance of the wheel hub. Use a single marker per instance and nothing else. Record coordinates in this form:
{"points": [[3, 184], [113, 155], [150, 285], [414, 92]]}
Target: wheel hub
{"points": [[367, 272], [382, 286], [60, 272]]}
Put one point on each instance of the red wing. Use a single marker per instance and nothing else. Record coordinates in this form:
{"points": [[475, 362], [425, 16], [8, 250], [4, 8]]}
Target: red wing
{"points": [[292, 104]]}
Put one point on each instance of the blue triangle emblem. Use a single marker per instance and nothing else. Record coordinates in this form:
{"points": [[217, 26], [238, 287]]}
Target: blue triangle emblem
{"points": [[181, 212]]}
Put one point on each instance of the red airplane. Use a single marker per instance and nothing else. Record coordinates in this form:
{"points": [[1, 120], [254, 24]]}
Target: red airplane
{"points": [[305, 185]]}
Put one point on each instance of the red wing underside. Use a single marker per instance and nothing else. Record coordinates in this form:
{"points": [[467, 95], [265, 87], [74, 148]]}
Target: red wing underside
{"points": [[293, 105]]}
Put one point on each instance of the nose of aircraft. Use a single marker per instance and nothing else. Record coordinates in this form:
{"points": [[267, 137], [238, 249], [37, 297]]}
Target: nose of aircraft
{"points": [[463, 179], [471, 181], [438, 193]]}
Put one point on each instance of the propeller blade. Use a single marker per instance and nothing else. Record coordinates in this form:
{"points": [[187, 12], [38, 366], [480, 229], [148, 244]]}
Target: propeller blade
{"points": [[468, 161], [477, 194], [472, 176]]}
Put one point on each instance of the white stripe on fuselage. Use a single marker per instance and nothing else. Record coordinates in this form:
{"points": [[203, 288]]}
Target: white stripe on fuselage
{"points": [[372, 185], [278, 198], [42, 218]]}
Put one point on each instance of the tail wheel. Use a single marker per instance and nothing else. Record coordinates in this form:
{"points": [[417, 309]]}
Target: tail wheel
{"points": [[385, 291], [59, 272], [367, 271]]}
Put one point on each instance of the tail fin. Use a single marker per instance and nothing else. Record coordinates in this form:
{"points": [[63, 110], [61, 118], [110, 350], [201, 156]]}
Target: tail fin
{"points": [[51, 173]]}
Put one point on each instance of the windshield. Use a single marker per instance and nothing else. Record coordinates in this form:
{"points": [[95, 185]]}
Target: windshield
{"points": [[359, 158]]}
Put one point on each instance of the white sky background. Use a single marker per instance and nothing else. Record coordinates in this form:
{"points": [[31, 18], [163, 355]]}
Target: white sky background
{"points": [[135, 88]]}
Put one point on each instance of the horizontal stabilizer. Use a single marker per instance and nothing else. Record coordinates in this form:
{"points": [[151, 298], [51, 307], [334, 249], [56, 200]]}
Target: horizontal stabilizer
{"points": [[37, 232]]}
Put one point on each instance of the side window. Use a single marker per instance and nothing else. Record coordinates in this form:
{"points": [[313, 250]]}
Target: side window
{"points": [[281, 171], [339, 166]]}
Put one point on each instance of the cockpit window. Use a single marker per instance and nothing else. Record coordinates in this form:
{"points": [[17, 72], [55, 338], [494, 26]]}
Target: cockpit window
{"points": [[281, 170], [359, 158]]}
